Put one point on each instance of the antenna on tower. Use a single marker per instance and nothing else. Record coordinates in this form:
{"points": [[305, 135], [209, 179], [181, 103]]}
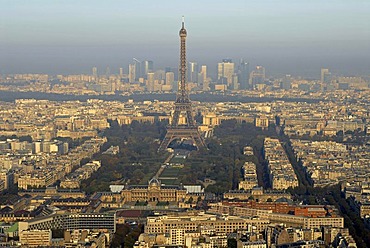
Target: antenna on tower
{"points": [[183, 21]]}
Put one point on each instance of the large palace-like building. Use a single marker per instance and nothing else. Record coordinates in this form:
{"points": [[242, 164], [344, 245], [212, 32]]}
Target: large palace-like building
{"points": [[152, 192]]}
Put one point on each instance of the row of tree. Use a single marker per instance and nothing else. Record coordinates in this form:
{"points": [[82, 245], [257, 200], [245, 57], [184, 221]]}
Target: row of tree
{"points": [[224, 158], [137, 160]]}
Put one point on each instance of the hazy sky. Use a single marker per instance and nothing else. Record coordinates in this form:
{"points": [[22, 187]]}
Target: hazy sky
{"points": [[286, 36]]}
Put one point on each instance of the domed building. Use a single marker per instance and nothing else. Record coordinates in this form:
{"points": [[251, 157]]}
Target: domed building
{"points": [[153, 192]]}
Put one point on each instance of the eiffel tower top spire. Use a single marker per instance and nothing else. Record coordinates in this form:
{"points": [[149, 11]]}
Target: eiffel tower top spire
{"points": [[183, 32], [182, 92]]}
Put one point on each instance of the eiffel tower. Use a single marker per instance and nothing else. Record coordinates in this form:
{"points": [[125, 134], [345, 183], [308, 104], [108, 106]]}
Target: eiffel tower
{"points": [[182, 105]]}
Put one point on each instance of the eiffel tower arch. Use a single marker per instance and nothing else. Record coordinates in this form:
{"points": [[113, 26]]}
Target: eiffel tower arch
{"points": [[189, 129]]}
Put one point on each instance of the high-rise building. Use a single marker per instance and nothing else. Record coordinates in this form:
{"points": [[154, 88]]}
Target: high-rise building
{"points": [[202, 77], [325, 75], [107, 72], [258, 75], [235, 82], [150, 82], [131, 73], [146, 67], [137, 65], [174, 70], [193, 72], [159, 75], [95, 71], [203, 71], [225, 71], [286, 83], [170, 78], [243, 75], [120, 72]]}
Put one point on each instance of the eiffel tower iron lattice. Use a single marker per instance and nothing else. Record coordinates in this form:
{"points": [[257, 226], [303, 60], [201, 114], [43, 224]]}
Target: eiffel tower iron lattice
{"points": [[188, 130]]}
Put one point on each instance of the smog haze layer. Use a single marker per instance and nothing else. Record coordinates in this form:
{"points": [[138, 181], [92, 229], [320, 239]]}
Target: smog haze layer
{"points": [[286, 37]]}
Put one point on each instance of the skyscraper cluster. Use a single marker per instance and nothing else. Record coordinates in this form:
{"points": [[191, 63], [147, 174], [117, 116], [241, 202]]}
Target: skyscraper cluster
{"points": [[139, 69], [230, 76]]}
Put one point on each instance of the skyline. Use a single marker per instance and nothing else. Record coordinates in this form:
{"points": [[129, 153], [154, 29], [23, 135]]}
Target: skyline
{"points": [[62, 37]]}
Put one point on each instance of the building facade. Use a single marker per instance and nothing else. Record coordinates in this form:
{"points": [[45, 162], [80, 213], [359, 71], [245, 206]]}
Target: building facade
{"points": [[153, 192]]}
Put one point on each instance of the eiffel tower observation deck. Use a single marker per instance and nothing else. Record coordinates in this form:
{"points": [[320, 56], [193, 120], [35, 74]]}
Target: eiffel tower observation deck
{"points": [[189, 129]]}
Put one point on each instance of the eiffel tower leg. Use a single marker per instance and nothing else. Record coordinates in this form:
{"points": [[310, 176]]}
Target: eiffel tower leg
{"points": [[182, 133], [198, 140], [165, 142]]}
